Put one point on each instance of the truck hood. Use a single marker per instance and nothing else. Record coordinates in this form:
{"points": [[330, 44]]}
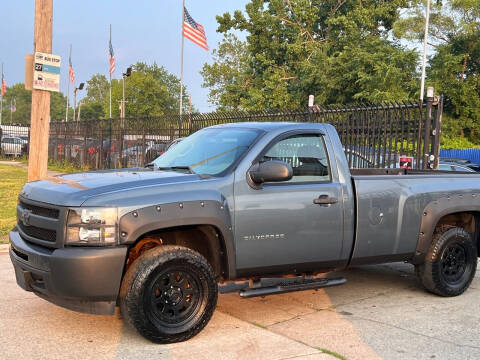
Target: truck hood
{"points": [[74, 189]]}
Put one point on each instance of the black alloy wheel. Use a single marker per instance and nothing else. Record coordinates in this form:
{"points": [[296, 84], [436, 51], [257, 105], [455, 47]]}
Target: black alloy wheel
{"points": [[451, 261], [173, 296], [454, 263], [169, 294]]}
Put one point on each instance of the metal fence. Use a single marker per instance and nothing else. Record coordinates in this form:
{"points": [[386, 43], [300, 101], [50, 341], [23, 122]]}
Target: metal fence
{"points": [[374, 135]]}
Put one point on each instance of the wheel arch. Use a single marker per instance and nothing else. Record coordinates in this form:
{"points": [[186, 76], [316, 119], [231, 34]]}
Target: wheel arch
{"points": [[460, 210], [203, 226]]}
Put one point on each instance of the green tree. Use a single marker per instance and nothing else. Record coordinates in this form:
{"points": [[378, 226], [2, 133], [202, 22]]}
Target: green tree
{"points": [[150, 91], [340, 51], [23, 100], [454, 67], [97, 89], [97, 93], [58, 101], [91, 110], [16, 94], [227, 77]]}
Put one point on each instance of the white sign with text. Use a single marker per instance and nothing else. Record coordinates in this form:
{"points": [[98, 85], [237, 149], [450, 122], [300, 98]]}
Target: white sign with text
{"points": [[46, 72]]}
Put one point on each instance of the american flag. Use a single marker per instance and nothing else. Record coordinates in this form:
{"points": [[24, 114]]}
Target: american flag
{"points": [[13, 107], [4, 85], [194, 31], [112, 58], [70, 69]]}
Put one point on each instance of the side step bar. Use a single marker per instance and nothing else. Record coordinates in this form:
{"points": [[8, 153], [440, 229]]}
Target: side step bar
{"points": [[271, 286]]}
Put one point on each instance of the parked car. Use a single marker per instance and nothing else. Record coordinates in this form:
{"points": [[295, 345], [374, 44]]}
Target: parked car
{"points": [[150, 151], [463, 162], [174, 142], [24, 139], [232, 202], [12, 146], [452, 166]]}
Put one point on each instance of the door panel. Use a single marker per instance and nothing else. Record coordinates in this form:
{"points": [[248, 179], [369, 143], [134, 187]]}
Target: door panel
{"points": [[279, 224]]}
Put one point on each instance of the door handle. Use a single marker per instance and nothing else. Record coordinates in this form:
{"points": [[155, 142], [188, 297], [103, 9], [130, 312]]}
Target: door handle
{"points": [[325, 200]]}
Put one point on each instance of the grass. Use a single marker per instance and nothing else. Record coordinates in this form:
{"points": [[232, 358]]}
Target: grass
{"points": [[260, 325], [12, 179], [66, 168], [63, 167], [332, 353]]}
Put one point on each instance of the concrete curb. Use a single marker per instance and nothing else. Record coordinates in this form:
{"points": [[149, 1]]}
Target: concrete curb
{"points": [[4, 248]]}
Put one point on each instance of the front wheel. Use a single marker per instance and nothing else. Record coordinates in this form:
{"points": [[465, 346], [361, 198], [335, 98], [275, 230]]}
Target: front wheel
{"points": [[450, 263], [169, 294]]}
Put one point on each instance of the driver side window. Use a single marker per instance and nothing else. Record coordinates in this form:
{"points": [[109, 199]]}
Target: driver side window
{"points": [[306, 154]]}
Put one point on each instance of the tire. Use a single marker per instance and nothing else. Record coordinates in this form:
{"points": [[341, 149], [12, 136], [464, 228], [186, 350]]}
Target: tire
{"points": [[450, 263], [169, 294]]}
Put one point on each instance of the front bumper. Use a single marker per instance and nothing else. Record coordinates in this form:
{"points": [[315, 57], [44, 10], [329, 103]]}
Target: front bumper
{"points": [[81, 279]]}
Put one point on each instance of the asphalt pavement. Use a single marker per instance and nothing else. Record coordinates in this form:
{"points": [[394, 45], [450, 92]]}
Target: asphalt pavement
{"points": [[382, 312]]}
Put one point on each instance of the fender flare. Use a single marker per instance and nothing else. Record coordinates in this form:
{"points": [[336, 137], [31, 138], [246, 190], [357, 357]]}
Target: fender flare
{"points": [[136, 223], [437, 209]]}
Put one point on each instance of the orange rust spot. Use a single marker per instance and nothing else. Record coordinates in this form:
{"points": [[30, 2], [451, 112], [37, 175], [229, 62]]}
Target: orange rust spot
{"points": [[142, 246], [61, 181]]}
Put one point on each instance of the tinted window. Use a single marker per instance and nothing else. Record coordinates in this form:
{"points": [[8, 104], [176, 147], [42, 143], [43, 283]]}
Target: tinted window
{"points": [[306, 154]]}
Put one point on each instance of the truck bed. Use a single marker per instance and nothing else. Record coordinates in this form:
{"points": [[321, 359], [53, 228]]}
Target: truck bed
{"points": [[397, 171], [390, 210]]}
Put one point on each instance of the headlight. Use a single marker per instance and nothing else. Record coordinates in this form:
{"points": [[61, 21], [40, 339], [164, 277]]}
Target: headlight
{"points": [[92, 226]]}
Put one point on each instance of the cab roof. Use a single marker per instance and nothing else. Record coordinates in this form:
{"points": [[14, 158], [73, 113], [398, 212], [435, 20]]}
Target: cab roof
{"points": [[269, 126]]}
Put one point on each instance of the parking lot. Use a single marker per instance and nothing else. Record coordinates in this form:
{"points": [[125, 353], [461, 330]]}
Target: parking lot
{"points": [[382, 312]]}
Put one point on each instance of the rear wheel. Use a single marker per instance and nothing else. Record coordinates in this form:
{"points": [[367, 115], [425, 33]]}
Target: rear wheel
{"points": [[169, 294], [450, 263]]}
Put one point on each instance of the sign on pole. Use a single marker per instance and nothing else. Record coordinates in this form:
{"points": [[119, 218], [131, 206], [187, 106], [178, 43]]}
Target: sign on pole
{"points": [[46, 72]]}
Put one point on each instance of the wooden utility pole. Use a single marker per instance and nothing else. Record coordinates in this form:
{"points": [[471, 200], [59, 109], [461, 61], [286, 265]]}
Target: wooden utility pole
{"points": [[40, 119]]}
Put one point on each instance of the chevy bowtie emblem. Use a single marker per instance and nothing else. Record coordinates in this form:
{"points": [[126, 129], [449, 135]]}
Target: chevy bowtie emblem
{"points": [[25, 216]]}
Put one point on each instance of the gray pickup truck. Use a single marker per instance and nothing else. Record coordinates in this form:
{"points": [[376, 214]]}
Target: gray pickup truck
{"points": [[242, 205]]}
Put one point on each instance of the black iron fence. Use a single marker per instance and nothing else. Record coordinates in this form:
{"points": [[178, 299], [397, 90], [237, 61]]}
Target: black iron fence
{"points": [[374, 135]]}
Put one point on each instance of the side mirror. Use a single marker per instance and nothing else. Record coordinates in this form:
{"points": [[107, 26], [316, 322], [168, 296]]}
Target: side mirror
{"points": [[270, 171]]}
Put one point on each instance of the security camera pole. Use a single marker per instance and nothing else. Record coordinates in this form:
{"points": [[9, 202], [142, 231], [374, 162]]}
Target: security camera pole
{"points": [[40, 116], [80, 87], [122, 109]]}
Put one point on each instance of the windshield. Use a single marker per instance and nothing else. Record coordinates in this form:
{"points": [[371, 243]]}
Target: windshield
{"points": [[208, 151]]}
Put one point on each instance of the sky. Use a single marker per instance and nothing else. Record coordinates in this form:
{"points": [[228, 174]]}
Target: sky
{"points": [[143, 30]]}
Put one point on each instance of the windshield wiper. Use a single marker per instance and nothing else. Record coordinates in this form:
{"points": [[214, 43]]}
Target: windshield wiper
{"points": [[183, 167], [150, 165]]}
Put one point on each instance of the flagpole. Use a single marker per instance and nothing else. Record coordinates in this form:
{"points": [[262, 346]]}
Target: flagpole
{"points": [[110, 113], [181, 65], [11, 112], [68, 88]]}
